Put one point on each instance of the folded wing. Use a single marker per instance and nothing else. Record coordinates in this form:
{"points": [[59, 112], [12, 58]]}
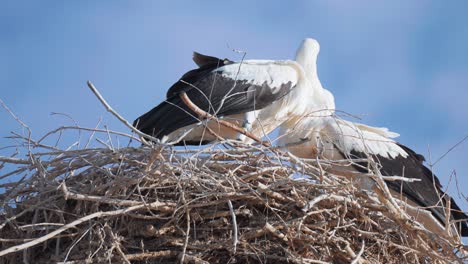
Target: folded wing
{"points": [[221, 88], [361, 141]]}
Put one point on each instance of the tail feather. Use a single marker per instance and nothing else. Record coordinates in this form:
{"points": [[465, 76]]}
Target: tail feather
{"points": [[165, 118]]}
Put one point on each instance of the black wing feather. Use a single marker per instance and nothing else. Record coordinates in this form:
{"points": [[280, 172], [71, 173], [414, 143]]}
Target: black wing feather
{"points": [[206, 88], [209, 64], [202, 60], [425, 193]]}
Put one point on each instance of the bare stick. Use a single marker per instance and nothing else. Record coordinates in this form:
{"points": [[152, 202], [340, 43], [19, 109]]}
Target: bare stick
{"points": [[168, 207], [15, 117], [187, 231], [204, 115], [119, 117], [15, 160], [154, 205], [275, 232], [234, 227], [450, 149], [357, 259], [116, 243], [187, 236]]}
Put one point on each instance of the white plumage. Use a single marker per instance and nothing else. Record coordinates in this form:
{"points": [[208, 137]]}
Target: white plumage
{"points": [[261, 95], [258, 95], [315, 128], [320, 133], [335, 138], [263, 72]]}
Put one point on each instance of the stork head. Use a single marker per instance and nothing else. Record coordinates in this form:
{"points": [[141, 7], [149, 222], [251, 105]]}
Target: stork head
{"points": [[307, 53]]}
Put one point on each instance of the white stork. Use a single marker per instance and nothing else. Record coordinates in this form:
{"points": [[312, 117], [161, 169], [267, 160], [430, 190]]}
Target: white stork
{"points": [[258, 95], [328, 137]]}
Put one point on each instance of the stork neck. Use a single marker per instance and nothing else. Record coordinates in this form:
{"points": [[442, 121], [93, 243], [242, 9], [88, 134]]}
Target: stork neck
{"points": [[309, 65]]}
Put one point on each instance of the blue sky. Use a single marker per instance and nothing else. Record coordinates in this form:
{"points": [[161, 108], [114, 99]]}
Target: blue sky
{"points": [[398, 64]]}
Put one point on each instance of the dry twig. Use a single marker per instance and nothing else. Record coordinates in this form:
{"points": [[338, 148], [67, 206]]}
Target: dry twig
{"points": [[204, 115], [217, 204]]}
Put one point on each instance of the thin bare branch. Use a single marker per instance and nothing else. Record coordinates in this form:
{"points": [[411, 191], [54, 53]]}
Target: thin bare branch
{"points": [[204, 115], [117, 115]]}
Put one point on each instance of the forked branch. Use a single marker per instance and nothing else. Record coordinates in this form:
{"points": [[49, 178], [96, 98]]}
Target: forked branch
{"points": [[204, 115]]}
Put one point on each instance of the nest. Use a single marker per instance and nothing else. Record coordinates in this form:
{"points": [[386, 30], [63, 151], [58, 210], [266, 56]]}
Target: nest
{"points": [[223, 203]]}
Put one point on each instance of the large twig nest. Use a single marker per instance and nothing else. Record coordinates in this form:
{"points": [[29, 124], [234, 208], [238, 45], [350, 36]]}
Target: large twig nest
{"points": [[223, 203]]}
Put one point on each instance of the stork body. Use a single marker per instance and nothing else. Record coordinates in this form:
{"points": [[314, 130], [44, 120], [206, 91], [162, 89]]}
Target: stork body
{"points": [[331, 138], [258, 95]]}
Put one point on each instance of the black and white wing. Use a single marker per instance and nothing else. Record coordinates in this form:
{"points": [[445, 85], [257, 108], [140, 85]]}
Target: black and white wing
{"points": [[359, 141], [221, 88]]}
